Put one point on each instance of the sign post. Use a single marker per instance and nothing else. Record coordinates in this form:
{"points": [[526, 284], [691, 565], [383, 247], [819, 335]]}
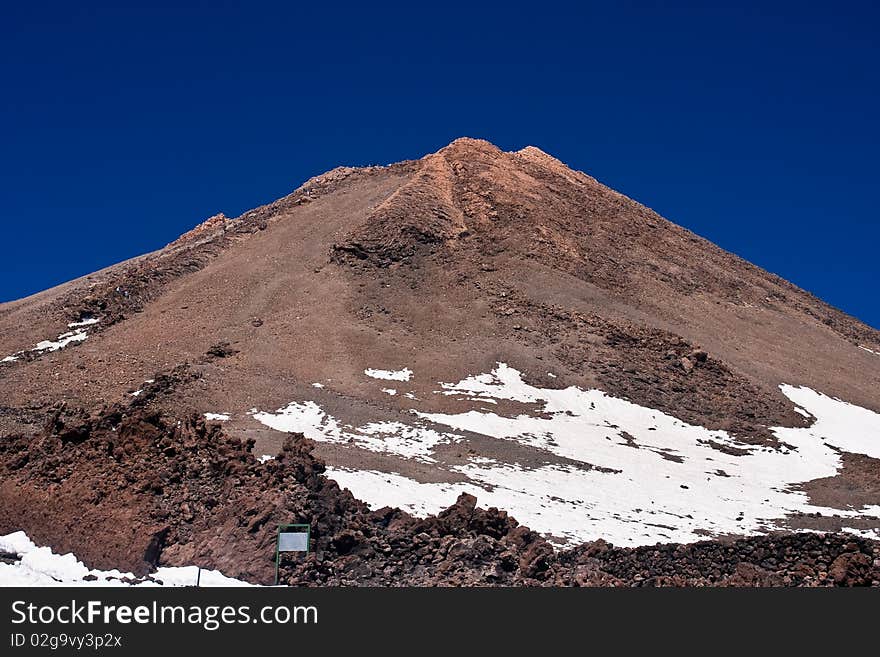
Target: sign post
{"points": [[291, 538]]}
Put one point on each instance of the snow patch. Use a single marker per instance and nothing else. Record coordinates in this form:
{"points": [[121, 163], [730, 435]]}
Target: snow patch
{"points": [[390, 375], [389, 391], [410, 441], [380, 489], [88, 321], [870, 534], [45, 346], [839, 424], [77, 335], [40, 566], [870, 351], [137, 393], [217, 417]]}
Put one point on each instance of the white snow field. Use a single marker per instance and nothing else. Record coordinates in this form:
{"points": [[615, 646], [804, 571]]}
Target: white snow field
{"points": [[634, 475], [390, 375], [39, 566], [88, 321], [407, 440], [78, 334]]}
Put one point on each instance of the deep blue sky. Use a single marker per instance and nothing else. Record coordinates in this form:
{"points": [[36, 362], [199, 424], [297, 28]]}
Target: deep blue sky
{"points": [[757, 127]]}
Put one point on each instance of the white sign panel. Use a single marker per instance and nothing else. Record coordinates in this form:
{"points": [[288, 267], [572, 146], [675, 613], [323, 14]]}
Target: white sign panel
{"points": [[293, 542]]}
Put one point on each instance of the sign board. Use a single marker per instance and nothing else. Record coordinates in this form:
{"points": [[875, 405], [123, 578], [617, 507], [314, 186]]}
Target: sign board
{"points": [[293, 541], [291, 538]]}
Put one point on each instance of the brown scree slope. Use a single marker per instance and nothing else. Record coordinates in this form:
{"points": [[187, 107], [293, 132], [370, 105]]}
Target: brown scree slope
{"points": [[451, 262]]}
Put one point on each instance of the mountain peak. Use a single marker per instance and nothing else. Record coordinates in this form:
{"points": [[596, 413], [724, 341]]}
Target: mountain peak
{"points": [[465, 147], [536, 155], [470, 142], [472, 150], [535, 152]]}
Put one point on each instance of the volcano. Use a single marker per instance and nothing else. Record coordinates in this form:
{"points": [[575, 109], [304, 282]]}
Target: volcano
{"points": [[473, 329]]}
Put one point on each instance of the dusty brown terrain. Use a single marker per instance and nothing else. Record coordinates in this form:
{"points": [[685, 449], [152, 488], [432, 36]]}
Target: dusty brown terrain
{"points": [[446, 265]]}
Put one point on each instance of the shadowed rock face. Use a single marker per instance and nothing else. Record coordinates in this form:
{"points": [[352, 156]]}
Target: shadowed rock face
{"points": [[445, 265]]}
